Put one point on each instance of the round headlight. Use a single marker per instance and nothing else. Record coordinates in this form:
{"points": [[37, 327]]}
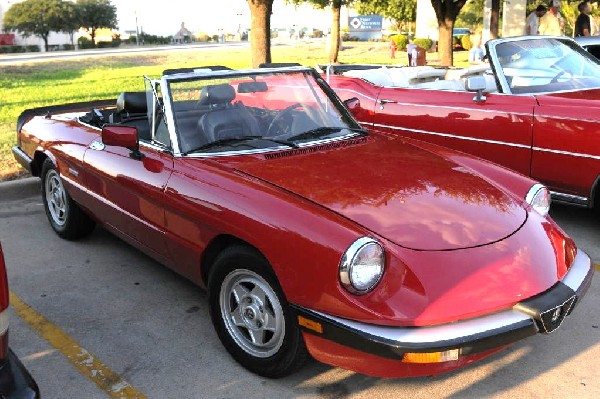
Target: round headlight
{"points": [[538, 197], [362, 266]]}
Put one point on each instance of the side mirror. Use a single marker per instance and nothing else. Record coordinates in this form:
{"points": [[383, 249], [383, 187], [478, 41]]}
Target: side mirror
{"points": [[476, 84], [353, 105], [122, 136]]}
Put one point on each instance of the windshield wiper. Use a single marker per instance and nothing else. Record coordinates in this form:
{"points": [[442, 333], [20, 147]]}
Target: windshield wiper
{"points": [[324, 131], [235, 140]]}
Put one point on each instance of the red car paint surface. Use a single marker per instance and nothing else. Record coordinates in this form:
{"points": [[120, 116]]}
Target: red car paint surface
{"points": [[460, 240], [553, 137]]}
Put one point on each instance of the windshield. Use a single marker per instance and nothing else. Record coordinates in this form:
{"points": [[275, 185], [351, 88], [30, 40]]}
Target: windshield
{"points": [[546, 65], [256, 110]]}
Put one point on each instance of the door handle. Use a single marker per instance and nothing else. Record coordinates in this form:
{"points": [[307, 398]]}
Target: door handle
{"points": [[383, 101]]}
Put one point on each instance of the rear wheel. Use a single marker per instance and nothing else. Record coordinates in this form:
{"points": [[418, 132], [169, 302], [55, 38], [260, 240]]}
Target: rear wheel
{"points": [[251, 315], [64, 215]]}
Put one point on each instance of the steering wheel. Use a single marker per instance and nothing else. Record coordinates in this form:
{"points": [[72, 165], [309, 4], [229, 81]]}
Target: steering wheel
{"points": [[280, 117]]}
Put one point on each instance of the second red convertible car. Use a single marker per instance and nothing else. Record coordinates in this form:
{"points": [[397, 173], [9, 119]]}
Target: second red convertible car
{"points": [[534, 108], [379, 254]]}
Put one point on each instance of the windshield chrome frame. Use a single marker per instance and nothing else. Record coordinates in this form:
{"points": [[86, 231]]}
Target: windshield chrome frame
{"points": [[202, 74]]}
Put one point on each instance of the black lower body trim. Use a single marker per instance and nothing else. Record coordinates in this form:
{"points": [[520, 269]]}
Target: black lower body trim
{"points": [[22, 158]]}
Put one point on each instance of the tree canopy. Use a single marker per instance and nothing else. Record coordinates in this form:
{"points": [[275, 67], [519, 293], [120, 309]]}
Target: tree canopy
{"points": [[96, 14], [37, 18], [396, 10]]}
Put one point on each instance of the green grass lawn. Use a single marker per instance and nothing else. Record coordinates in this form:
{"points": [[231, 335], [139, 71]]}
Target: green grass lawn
{"points": [[33, 85]]}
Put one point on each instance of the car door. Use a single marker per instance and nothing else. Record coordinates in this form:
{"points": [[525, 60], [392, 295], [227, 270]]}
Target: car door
{"points": [[129, 188], [499, 128], [566, 153]]}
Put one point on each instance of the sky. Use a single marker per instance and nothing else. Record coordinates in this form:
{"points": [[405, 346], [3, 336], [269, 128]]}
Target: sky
{"points": [[165, 17]]}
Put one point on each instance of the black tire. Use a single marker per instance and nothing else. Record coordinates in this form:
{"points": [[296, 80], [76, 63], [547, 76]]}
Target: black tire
{"points": [[64, 215], [242, 284]]}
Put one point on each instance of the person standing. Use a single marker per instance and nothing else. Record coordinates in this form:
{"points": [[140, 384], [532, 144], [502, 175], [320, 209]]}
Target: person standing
{"points": [[533, 20], [583, 23], [551, 23]]}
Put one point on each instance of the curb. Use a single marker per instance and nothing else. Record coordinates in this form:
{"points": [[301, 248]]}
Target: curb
{"points": [[19, 189]]}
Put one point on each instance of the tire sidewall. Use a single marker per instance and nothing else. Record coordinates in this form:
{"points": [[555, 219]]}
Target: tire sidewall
{"points": [[279, 364], [60, 229]]}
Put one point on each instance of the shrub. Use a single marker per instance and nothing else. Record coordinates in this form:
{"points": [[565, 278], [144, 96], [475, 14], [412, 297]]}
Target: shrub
{"points": [[317, 33], [423, 43], [215, 38], [33, 48], [68, 47], [84, 42], [202, 37], [401, 41], [465, 42]]}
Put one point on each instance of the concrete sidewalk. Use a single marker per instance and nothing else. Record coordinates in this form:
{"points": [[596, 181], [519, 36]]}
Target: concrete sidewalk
{"points": [[21, 188]]}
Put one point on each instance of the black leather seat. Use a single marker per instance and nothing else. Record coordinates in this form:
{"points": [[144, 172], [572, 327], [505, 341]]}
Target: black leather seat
{"points": [[132, 110], [224, 120]]}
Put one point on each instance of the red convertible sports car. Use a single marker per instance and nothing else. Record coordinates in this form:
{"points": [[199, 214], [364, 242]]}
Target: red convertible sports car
{"points": [[535, 108], [379, 254]]}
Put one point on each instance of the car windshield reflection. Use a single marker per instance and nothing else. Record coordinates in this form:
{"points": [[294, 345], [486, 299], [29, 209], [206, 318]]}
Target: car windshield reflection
{"points": [[252, 111], [546, 65]]}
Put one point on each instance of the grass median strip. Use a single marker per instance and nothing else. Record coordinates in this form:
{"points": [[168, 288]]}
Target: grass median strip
{"points": [[88, 364]]}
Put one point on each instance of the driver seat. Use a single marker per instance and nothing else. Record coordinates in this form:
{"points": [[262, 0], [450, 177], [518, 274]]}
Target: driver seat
{"points": [[224, 120]]}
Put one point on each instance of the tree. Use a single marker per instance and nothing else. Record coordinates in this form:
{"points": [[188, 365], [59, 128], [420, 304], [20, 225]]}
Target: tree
{"points": [[70, 22], [334, 37], [96, 14], [399, 11], [260, 31], [36, 18], [446, 12]]}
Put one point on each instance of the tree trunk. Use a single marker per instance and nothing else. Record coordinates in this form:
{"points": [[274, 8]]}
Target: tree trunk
{"points": [[93, 36], [260, 31], [494, 18], [445, 44], [334, 38], [45, 38]]}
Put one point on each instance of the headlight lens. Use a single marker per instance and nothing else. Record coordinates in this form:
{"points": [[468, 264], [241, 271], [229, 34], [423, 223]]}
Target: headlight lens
{"points": [[539, 199], [362, 266]]}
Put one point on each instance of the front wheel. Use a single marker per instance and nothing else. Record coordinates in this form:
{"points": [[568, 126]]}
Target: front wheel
{"points": [[64, 215], [251, 315]]}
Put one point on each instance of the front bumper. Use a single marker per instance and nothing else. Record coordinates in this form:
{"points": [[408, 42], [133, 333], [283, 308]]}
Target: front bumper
{"points": [[543, 313], [15, 380], [22, 158]]}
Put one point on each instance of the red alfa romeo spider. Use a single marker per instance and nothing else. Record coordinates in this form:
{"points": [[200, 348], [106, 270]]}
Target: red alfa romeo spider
{"points": [[374, 253], [535, 108]]}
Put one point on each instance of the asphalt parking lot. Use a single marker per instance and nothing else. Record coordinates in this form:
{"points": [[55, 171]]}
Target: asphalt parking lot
{"points": [[97, 318]]}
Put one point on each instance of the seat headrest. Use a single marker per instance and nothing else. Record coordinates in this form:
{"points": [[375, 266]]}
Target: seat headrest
{"points": [[217, 94], [133, 102]]}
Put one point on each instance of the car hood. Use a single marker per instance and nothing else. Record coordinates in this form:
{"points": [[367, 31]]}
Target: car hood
{"points": [[413, 197]]}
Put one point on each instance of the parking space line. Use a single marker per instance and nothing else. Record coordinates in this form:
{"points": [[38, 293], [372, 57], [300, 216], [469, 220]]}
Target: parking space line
{"points": [[598, 267], [87, 364]]}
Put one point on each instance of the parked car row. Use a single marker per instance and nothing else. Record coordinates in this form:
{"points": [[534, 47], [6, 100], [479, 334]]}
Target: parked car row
{"points": [[363, 248]]}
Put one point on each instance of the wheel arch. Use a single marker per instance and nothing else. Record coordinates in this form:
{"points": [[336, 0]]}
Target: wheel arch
{"points": [[215, 247], [39, 157], [595, 194]]}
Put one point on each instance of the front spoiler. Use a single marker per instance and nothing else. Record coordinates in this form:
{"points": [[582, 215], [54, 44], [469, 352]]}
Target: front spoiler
{"points": [[543, 313]]}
